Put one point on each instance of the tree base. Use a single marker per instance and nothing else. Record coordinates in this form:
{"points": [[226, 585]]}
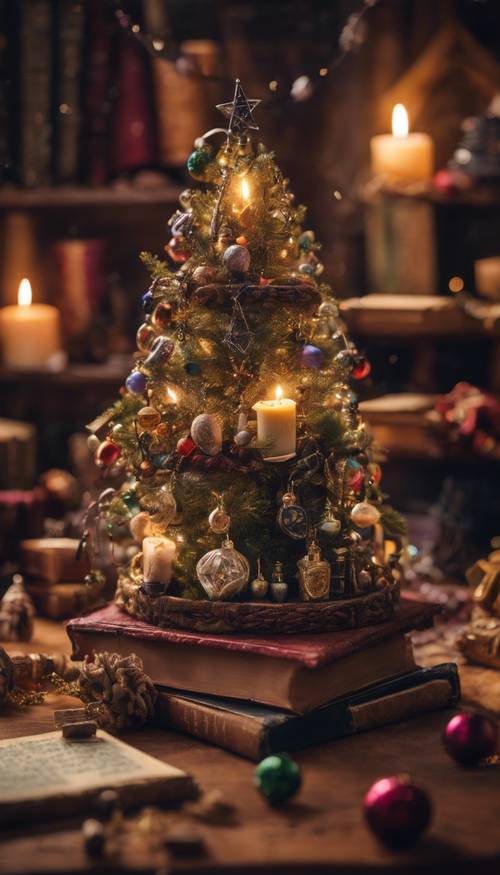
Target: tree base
{"points": [[261, 617]]}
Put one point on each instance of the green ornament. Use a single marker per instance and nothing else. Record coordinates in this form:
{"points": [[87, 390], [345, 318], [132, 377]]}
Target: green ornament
{"points": [[131, 501], [278, 778], [198, 162]]}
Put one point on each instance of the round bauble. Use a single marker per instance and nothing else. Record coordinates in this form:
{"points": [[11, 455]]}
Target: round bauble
{"points": [[470, 738], [147, 469], [242, 438], [177, 250], [344, 360], [206, 431], [311, 356], [193, 369], [204, 274], [364, 515], [374, 473], [259, 587], [136, 383], [160, 353], [145, 337], [219, 521], [185, 446], [148, 418], [278, 778], [107, 453], [306, 241], [93, 442], [397, 810], [147, 301], [330, 526], [361, 367], [236, 258], [162, 316], [198, 162], [307, 269], [223, 573]]}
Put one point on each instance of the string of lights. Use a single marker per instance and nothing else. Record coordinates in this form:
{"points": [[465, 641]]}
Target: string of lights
{"points": [[352, 36]]}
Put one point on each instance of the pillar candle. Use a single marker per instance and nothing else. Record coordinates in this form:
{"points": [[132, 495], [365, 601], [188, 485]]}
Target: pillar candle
{"points": [[158, 554], [30, 333], [487, 274], [276, 426], [401, 156]]}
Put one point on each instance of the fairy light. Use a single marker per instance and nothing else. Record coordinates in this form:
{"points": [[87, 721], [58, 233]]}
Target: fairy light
{"points": [[245, 190], [172, 396], [273, 85], [456, 284]]}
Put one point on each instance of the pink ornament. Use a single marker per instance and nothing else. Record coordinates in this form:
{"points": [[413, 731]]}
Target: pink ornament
{"points": [[185, 446], [397, 811], [176, 249], [470, 738], [444, 182], [374, 473], [107, 453]]}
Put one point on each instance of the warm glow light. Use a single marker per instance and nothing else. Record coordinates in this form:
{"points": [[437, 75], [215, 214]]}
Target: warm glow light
{"points": [[24, 293], [279, 393], [245, 190], [456, 284], [172, 395], [399, 121]]}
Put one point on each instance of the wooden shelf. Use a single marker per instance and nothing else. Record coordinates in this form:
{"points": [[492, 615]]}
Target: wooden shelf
{"points": [[112, 375], [75, 196]]}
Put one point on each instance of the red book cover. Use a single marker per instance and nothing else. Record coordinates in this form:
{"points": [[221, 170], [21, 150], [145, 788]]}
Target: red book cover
{"points": [[132, 142], [310, 651]]}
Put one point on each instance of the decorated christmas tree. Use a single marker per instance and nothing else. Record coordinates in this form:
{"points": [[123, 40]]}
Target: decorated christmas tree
{"points": [[251, 475]]}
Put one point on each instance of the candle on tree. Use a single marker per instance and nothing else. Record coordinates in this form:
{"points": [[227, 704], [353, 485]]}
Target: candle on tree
{"points": [[276, 426], [402, 156], [30, 333]]}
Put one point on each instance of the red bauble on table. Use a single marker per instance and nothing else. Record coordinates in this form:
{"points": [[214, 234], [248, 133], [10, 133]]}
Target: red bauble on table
{"points": [[397, 811], [185, 446], [470, 738]]}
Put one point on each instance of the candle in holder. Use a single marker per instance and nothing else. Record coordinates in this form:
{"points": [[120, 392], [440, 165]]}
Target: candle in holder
{"points": [[402, 156], [30, 333], [158, 554], [276, 426]]}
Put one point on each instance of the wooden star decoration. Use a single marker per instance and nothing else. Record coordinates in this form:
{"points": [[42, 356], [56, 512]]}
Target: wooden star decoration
{"points": [[239, 112]]}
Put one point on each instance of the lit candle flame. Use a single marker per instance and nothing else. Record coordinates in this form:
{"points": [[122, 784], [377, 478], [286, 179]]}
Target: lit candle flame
{"points": [[24, 293], [245, 190], [172, 395], [400, 125], [279, 393]]}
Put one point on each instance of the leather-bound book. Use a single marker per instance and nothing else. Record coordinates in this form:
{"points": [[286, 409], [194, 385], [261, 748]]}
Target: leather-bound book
{"points": [[293, 672], [35, 59], [132, 130], [97, 97], [70, 26], [254, 731]]}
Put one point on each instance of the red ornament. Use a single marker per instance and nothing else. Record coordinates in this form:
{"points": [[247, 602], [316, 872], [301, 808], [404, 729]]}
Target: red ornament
{"points": [[107, 453], [176, 250], [374, 473], [470, 738], [444, 181], [263, 281], [397, 811], [185, 446], [362, 367]]}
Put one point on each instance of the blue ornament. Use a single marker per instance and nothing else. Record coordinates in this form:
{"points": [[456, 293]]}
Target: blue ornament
{"points": [[306, 241], [147, 302], [136, 383], [311, 356], [193, 369], [307, 269], [160, 460]]}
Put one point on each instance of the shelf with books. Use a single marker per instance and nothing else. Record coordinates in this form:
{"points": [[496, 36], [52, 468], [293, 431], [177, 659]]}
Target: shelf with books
{"points": [[81, 196], [106, 374]]}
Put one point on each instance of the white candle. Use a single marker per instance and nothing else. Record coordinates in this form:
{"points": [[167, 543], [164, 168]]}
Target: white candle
{"points": [[487, 275], [276, 426], [400, 155], [158, 554], [30, 333]]}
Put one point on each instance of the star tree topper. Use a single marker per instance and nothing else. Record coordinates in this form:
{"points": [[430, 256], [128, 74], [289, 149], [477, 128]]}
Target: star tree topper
{"points": [[239, 112]]}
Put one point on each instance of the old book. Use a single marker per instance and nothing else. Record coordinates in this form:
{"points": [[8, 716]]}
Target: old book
{"points": [[59, 601], [50, 776], [293, 672], [68, 115], [254, 731], [35, 91], [53, 559]]}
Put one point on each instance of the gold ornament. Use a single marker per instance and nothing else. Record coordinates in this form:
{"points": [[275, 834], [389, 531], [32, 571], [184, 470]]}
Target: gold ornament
{"points": [[364, 515], [148, 418], [219, 520], [314, 575], [259, 585]]}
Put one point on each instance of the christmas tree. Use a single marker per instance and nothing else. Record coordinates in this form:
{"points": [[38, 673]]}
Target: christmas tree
{"points": [[238, 427]]}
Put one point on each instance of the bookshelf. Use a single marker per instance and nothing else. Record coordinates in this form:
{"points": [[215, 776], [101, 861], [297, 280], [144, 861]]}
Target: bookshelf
{"points": [[78, 196]]}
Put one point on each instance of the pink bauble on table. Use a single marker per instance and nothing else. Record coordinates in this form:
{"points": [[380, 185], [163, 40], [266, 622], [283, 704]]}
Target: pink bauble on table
{"points": [[397, 811], [470, 738]]}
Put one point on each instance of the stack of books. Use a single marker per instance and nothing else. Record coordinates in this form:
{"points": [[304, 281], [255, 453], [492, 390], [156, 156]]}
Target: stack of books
{"points": [[256, 695], [55, 579]]}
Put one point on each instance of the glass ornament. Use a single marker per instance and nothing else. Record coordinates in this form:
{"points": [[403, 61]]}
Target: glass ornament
{"points": [[237, 259], [148, 418], [224, 572], [397, 811], [311, 356], [145, 337], [364, 514], [185, 446], [219, 520], [161, 351], [198, 162], [147, 301], [165, 506], [162, 316], [107, 453], [146, 468], [344, 359], [307, 269], [193, 369], [362, 367], [278, 778], [136, 383], [328, 310], [292, 518], [470, 738]]}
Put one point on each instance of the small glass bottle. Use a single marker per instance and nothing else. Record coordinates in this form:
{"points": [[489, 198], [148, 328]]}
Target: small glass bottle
{"points": [[314, 575]]}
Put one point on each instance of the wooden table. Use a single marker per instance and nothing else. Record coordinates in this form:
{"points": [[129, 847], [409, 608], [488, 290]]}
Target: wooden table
{"points": [[321, 831]]}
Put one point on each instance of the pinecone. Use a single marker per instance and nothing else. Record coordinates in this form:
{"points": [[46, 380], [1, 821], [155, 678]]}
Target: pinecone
{"points": [[16, 612], [117, 684]]}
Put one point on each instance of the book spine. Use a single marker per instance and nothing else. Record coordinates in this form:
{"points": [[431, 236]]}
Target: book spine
{"points": [[35, 91], [69, 48], [234, 732], [97, 92]]}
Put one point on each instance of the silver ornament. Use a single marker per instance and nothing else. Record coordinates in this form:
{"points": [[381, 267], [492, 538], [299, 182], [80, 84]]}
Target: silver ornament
{"points": [[206, 431], [242, 438], [279, 591], [166, 507], [236, 258], [223, 573]]}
